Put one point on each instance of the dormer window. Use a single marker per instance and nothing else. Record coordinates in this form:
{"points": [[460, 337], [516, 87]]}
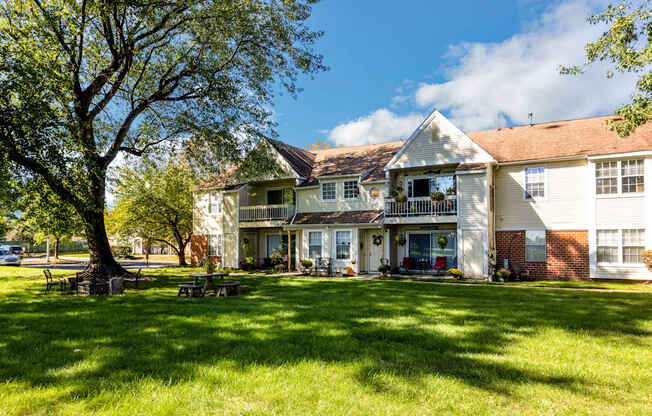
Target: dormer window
{"points": [[351, 190], [329, 191]]}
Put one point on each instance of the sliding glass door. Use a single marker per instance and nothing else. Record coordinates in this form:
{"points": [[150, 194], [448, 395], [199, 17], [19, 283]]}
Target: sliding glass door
{"points": [[425, 247]]}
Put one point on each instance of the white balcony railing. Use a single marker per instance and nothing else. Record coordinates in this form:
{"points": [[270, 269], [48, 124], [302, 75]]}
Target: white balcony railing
{"points": [[420, 207], [266, 212]]}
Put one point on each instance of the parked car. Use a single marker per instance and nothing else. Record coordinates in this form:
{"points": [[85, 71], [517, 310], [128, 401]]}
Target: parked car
{"points": [[8, 259], [17, 250]]}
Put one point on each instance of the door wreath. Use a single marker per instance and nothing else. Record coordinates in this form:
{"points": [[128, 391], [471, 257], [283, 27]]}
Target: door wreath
{"points": [[378, 240]]}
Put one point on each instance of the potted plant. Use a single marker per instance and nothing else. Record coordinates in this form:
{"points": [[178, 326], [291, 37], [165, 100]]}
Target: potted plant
{"points": [[503, 274], [647, 259], [383, 269], [276, 258], [456, 273], [208, 266], [398, 194], [401, 240], [306, 265], [437, 196], [442, 241]]}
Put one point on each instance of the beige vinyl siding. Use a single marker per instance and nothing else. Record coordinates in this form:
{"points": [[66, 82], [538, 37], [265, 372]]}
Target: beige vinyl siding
{"points": [[230, 252], [230, 221], [472, 211], [620, 212], [203, 222], [564, 205], [309, 199], [450, 145]]}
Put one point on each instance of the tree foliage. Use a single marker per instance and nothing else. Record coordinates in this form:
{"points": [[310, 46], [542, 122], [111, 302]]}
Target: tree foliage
{"points": [[154, 202], [86, 80], [627, 45], [45, 214]]}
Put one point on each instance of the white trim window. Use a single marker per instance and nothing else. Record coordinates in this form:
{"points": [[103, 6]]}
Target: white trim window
{"points": [[535, 183], [351, 190], [607, 246], [632, 173], [535, 245], [329, 191], [633, 246], [620, 177], [214, 202], [343, 245], [215, 245], [606, 178], [314, 244]]}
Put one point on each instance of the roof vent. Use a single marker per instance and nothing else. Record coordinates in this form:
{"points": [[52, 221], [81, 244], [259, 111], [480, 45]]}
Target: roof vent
{"points": [[348, 156]]}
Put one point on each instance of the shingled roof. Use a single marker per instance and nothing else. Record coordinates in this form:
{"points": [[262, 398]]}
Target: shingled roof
{"points": [[587, 136], [301, 160], [338, 217]]}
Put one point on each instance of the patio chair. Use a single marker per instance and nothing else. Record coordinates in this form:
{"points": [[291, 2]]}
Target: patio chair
{"points": [[440, 263], [50, 282], [324, 264], [407, 265]]}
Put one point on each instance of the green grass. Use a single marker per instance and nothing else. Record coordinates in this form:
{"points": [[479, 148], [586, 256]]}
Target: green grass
{"points": [[572, 284], [318, 346]]}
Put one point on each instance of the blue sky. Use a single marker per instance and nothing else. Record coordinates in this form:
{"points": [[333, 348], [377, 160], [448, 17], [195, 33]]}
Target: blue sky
{"points": [[483, 64]]}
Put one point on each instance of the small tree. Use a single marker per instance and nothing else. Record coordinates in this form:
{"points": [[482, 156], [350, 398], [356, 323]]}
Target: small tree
{"points": [[154, 202], [46, 214], [625, 44]]}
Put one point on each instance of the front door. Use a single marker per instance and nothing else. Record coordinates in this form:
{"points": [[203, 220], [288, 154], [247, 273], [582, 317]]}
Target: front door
{"points": [[374, 250]]}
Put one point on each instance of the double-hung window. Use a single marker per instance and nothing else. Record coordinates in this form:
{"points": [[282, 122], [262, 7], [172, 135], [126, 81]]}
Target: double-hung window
{"points": [[215, 245], [632, 176], [535, 183], [633, 246], [535, 245], [606, 178], [214, 203], [329, 191], [314, 244], [628, 175], [607, 246], [343, 245], [351, 190]]}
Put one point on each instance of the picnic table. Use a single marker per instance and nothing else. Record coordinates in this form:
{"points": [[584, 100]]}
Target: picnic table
{"points": [[220, 288]]}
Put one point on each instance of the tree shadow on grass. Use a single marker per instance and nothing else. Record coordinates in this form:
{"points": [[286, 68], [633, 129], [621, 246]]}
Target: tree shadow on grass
{"points": [[390, 328]]}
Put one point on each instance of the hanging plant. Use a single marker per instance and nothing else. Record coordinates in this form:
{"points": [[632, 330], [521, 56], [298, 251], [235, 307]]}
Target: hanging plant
{"points": [[401, 240], [442, 241], [378, 240], [437, 196]]}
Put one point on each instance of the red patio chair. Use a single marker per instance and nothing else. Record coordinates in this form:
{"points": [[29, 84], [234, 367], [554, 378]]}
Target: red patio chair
{"points": [[407, 264], [440, 263]]}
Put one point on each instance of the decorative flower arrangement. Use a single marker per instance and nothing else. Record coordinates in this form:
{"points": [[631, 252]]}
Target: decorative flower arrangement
{"points": [[383, 269], [442, 241], [437, 196], [378, 239], [647, 258], [401, 240], [398, 194], [456, 273], [503, 274]]}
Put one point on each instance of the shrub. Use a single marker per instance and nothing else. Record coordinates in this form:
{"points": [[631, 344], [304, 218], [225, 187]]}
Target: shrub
{"points": [[456, 273], [647, 258], [306, 264], [504, 274], [276, 258]]}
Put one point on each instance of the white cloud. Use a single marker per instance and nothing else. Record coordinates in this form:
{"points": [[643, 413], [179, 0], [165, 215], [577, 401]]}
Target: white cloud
{"points": [[491, 82], [379, 126]]}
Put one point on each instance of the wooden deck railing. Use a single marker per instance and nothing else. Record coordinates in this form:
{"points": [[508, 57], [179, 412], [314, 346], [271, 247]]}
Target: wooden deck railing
{"points": [[420, 207], [265, 212]]}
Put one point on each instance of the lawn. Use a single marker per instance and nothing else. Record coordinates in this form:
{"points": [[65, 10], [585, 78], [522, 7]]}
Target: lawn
{"points": [[318, 346]]}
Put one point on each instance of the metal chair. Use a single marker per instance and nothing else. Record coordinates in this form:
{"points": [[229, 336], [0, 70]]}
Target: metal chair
{"points": [[51, 283]]}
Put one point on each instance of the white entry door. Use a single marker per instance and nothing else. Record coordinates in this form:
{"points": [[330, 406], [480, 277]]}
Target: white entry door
{"points": [[374, 252], [473, 252]]}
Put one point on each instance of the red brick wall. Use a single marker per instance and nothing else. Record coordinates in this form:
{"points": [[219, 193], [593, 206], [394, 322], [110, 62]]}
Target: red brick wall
{"points": [[567, 254], [199, 251]]}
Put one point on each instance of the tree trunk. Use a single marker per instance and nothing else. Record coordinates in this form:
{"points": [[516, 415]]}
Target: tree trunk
{"points": [[56, 248], [101, 261], [181, 252]]}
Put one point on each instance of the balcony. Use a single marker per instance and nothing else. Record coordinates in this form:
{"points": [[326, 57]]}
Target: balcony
{"points": [[254, 213], [420, 207]]}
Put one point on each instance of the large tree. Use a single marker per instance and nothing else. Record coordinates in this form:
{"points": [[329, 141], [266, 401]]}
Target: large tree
{"points": [[154, 202], [627, 45], [84, 81]]}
